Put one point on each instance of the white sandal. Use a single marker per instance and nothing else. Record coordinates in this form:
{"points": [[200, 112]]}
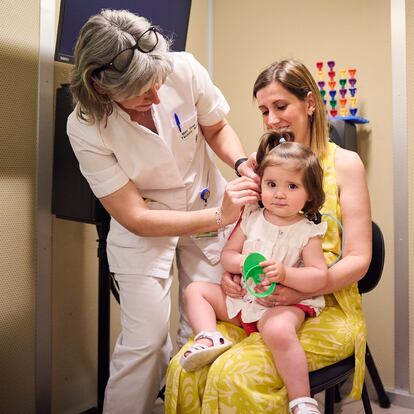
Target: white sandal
{"points": [[199, 355], [305, 405]]}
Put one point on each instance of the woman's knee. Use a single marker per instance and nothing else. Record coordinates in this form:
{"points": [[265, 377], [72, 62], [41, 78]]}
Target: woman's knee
{"points": [[150, 335], [154, 355], [252, 357]]}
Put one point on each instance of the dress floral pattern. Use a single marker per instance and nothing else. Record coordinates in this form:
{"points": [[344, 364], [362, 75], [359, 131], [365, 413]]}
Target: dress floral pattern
{"points": [[244, 379]]}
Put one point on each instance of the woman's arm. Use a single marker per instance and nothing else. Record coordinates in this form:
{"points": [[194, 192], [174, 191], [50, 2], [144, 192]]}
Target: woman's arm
{"points": [[128, 208], [356, 221], [223, 140]]}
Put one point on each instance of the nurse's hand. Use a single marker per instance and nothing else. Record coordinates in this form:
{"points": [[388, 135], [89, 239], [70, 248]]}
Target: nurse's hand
{"points": [[230, 284], [248, 168], [283, 295], [237, 194]]}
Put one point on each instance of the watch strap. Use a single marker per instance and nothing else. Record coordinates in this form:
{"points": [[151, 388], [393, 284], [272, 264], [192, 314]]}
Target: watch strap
{"points": [[238, 163]]}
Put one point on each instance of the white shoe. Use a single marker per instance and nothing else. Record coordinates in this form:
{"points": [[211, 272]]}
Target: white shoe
{"points": [[304, 405], [199, 355]]}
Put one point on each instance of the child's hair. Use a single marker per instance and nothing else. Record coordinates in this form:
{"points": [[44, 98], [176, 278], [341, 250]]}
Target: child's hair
{"points": [[298, 157]]}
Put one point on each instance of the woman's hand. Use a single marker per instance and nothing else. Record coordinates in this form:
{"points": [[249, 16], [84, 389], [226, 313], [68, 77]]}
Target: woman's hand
{"points": [[248, 168], [238, 193], [283, 295], [230, 284]]}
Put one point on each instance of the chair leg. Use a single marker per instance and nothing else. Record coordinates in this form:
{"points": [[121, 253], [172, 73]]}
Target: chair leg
{"points": [[383, 399], [365, 400], [338, 397], [329, 400]]}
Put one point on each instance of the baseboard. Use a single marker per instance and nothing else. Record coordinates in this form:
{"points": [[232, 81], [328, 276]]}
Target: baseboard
{"points": [[401, 398]]}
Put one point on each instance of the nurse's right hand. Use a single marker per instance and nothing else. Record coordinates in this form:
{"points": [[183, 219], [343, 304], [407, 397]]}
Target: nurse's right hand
{"points": [[237, 194]]}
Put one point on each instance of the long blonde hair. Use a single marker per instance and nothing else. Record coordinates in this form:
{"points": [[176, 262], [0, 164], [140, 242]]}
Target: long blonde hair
{"points": [[296, 78]]}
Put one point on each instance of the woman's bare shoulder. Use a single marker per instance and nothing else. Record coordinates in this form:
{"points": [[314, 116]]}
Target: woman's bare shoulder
{"points": [[348, 162], [350, 170]]}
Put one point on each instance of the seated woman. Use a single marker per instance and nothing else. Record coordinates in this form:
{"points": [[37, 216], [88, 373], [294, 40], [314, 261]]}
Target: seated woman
{"points": [[244, 379]]}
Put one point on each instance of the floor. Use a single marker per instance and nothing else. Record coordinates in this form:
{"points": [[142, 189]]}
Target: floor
{"points": [[355, 407], [349, 406]]}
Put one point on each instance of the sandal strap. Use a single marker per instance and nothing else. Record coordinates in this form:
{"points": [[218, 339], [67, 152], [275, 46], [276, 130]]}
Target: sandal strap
{"points": [[197, 347], [194, 348], [297, 402], [214, 336]]}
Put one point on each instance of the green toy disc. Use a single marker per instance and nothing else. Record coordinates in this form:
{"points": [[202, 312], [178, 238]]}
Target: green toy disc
{"points": [[252, 270]]}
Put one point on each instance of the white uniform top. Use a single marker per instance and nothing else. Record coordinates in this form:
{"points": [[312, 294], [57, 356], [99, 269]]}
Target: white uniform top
{"points": [[281, 243], [169, 168]]}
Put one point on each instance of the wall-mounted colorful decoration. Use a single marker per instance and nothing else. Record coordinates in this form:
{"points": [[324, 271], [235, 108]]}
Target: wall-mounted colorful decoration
{"points": [[339, 96]]}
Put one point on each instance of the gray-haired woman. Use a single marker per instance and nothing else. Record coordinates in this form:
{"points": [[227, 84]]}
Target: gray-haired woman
{"points": [[144, 117]]}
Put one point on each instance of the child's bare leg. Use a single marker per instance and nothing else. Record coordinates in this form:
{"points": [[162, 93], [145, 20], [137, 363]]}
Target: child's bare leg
{"points": [[205, 303], [279, 327]]}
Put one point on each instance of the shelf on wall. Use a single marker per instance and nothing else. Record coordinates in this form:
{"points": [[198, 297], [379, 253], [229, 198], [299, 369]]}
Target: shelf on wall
{"points": [[352, 119]]}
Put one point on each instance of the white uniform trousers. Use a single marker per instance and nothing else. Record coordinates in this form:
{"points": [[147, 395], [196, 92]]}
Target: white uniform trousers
{"points": [[143, 349]]}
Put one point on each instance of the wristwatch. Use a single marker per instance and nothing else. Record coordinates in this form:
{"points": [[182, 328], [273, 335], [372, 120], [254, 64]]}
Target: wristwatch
{"points": [[237, 165]]}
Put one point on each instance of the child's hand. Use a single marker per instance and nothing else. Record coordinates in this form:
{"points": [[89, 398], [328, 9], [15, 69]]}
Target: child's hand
{"points": [[274, 272]]}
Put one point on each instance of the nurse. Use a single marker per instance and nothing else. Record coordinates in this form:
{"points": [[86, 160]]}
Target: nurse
{"points": [[143, 121]]}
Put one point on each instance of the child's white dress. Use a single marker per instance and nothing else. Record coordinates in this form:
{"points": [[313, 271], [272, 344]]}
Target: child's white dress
{"points": [[281, 243]]}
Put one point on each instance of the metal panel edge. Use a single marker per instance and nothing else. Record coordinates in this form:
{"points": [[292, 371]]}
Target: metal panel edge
{"points": [[400, 144], [43, 373]]}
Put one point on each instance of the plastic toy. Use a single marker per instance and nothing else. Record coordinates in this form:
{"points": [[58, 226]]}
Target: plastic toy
{"points": [[347, 108], [252, 270]]}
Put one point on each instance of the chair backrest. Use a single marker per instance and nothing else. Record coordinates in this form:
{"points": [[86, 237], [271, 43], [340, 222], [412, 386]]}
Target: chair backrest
{"points": [[373, 275]]}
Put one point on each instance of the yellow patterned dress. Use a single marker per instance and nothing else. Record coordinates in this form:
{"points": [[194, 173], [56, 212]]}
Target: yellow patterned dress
{"points": [[244, 379]]}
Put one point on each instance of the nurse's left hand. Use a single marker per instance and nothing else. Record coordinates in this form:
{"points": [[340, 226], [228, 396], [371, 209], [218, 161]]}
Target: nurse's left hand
{"points": [[231, 285], [237, 194], [248, 168]]}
